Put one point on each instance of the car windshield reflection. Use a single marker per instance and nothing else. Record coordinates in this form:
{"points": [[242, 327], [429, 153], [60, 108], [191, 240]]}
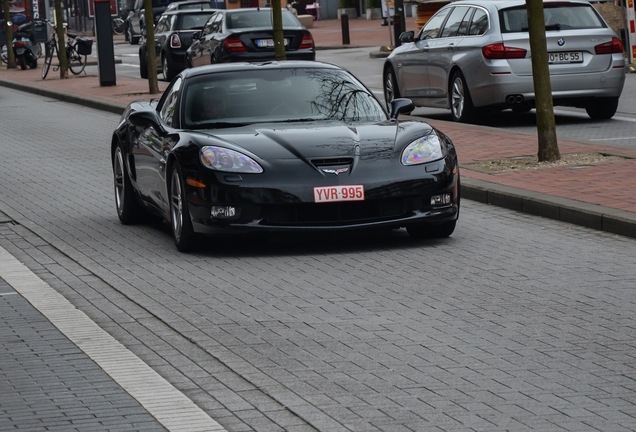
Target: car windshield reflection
{"points": [[284, 95]]}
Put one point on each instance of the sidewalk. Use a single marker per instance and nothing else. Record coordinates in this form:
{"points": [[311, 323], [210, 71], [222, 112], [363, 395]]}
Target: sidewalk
{"points": [[600, 197]]}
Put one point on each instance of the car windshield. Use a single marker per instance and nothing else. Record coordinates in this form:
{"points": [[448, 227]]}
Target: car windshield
{"points": [[277, 95], [257, 19], [558, 16]]}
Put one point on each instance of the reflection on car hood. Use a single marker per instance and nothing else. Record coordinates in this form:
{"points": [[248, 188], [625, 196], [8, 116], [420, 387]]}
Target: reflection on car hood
{"points": [[311, 140]]}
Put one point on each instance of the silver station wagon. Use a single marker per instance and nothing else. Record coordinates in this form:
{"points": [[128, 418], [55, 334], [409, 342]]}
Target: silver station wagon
{"points": [[474, 56]]}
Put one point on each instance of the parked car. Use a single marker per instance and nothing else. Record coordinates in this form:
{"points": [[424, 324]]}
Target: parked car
{"points": [[474, 56], [281, 147], [135, 27], [173, 36], [247, 35]]}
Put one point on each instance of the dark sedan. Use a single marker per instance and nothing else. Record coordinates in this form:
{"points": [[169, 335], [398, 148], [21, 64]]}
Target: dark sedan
{"points": [[283, 147], [247, 35], [173, 36]]}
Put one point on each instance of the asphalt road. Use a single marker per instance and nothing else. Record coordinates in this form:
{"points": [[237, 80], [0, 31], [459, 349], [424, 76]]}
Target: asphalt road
{"points": [[572, 123], [514, 323]]}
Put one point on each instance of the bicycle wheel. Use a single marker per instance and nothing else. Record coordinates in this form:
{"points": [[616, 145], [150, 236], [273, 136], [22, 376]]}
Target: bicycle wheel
{"points": [[49, 51], [3, 54], [76, 62], [118, 26]]}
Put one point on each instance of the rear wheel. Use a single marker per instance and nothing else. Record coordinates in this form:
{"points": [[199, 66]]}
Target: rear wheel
{"points": [[22, 62], [128, 209], [76, 63], [167, 68], [391, 90], [461, 104], [180, 222], [602, 109]]}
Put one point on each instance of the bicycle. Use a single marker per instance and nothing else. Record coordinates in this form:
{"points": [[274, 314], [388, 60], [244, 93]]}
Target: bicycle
{"points": [[77, 50]]}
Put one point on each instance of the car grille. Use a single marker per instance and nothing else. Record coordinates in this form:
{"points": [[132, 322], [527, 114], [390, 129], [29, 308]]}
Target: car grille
{"points": [[338, 213]]}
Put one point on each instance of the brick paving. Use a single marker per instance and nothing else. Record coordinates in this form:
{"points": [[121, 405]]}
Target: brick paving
{"points": [[52, 380]]}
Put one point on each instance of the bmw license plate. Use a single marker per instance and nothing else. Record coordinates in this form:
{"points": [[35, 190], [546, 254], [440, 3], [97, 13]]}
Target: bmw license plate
{"points": [[565, 57], [268, 43], [325, 194]]}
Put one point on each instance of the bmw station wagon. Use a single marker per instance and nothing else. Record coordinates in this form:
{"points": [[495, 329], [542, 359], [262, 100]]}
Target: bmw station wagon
{"points": [[475, 55]]}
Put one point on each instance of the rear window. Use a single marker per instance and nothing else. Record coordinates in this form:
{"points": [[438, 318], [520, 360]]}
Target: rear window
{"points": [[258, 18], [557, 17]]}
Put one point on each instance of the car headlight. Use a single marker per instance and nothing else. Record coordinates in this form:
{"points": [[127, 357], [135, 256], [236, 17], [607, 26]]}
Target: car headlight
{"points": [[222, 159], [425, 149]]}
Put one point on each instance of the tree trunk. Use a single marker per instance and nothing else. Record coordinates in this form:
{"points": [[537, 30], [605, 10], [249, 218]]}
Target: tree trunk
{"points": [[277, 23], [8, 35], [151, 54], [61, 39], [546, 128]]}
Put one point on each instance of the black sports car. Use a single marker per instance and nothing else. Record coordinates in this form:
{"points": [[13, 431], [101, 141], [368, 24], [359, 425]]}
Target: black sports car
{"points": [[280, 146], [246, 34]]}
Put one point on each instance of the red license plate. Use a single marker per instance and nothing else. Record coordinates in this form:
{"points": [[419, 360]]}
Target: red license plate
{"points": [[325, 194]]}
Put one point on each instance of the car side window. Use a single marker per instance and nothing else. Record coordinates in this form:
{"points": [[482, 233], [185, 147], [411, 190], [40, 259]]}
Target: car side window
{"points": [[207, 28], [457, 22], [432, 27], [168, 104], [216, 24], [479, 23], [162, 24]]}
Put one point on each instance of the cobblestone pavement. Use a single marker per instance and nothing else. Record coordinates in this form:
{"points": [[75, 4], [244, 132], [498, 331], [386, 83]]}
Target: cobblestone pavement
{"points": [[516, 323]]}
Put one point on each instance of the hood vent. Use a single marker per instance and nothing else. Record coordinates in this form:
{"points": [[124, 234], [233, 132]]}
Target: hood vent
{"points": [[319, 163]]}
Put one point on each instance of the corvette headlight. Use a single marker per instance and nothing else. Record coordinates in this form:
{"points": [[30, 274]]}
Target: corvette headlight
{"points": [[222, 159], [425, 149]]}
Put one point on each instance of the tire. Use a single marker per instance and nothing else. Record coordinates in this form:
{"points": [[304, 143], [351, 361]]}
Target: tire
{"points": [[602, 109], [182, 232], [391, 90], [33, 64], [22, 62], [132, 39], [167, 68], [77, 63], [49, 51], [143, 65], [460, 102], [128, 209], [118, 26], [426, 231]]}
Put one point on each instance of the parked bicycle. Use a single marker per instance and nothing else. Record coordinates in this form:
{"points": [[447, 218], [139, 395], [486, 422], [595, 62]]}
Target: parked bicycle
{"points": [[77, 50]]}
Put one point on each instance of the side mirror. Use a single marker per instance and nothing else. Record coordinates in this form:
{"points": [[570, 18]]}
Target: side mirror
{"points": [[147, 119], [407, 36], [401, 106], [196, 35]]}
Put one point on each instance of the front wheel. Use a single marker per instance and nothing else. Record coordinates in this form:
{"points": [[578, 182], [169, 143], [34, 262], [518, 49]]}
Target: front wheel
{"points": [[602, 109], [461, 104], [184, 237], [49, 51], [391, 90]]}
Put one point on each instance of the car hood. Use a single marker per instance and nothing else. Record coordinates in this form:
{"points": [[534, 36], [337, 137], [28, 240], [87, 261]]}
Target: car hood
{"points": [[310, 141]]}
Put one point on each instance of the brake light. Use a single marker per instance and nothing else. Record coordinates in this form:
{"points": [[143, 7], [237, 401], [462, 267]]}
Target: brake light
{"points": [[615, 46], [175, 41], [20, 43], [307, 42], [499, 51], [234, 44]]}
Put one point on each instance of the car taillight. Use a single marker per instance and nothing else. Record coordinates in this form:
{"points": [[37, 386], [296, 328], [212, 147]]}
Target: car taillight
{"points": [[615, 46], [234, 44], [499, 51], [307, 42], [175, 41]]}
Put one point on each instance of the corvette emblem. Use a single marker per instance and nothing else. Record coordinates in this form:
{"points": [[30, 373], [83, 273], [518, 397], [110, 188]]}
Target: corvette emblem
{"points": [[335, 171]]}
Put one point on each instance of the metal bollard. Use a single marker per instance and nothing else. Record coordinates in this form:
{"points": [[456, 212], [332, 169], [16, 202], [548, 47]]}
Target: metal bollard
{"points": [[344, 22]]}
